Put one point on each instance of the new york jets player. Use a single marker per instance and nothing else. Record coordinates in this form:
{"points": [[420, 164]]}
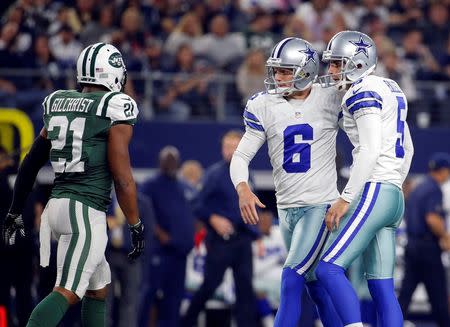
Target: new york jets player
{"points": [[299, 120], [367, 214], [86, 137]]}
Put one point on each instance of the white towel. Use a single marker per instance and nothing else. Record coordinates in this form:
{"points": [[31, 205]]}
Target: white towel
{"points": [[45, 238]]}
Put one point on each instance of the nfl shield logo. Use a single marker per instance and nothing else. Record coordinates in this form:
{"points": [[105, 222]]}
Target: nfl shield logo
{"points": [[297, 114]]}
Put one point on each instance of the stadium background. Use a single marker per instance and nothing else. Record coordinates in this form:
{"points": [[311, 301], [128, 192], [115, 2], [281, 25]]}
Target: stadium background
{"points": [[192, 65]]}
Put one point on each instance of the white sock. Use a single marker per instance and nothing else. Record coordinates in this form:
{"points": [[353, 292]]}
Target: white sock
{"points": [[355, 324]]}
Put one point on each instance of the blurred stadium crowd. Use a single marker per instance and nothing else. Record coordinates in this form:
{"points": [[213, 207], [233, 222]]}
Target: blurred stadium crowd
{"points": [[203, 59]]}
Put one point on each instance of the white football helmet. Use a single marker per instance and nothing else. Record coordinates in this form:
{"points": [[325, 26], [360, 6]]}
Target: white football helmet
{"points": [[298, 55], [102, 64], [357, 53]]}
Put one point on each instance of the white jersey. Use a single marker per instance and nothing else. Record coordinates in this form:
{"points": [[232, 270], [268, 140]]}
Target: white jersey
{"points": [[382, 96], [301, 136]]}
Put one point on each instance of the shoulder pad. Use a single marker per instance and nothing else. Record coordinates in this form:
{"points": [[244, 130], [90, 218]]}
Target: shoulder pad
{"points": [[46, 102], [119, 107], [365, 94], [253, 112]]}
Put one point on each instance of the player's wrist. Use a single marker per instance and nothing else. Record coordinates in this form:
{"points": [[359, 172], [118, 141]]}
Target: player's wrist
{"points": [[345, 198], [136, 225], [242, 188]]}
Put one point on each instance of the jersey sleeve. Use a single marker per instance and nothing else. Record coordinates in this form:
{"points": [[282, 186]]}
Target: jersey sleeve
{"points": [[122, 109], [46, 107], [364, 99], [253, 118]]}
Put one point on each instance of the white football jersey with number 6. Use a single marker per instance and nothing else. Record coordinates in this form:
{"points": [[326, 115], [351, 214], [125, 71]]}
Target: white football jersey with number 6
{"points": [[301, 137]]}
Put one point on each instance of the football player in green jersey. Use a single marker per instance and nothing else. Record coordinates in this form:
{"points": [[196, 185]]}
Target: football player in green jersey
{"points": [[86, 137]]}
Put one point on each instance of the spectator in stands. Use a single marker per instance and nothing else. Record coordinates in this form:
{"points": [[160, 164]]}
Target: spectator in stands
{"points": [[259, 33], [97, 30], [188, 92], [280, 18], [51, 76], [427, 238], [187, 31], [404, 15], [372, 24], [417, 56], [269, 254], [228, 239], [15, 90], [222, 48], [173, 238], [126, 279], [23, 41], [133, 41], [61, 18], [351, 10], [437, 27], [295, 27], [318, 15], [372, 7], [81, 15], [251, 74], [65, 47]]}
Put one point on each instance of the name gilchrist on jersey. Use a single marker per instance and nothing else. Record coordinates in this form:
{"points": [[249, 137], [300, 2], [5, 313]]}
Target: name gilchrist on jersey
{"points": [[71, 104]]}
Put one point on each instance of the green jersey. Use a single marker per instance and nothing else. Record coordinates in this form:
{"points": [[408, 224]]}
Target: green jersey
{"points": [[78, 125]]}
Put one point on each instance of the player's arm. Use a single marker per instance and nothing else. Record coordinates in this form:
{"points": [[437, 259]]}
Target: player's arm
{"points": [[119, 163], [249, 145], [370, 135], [26, 176], [409, 152]]}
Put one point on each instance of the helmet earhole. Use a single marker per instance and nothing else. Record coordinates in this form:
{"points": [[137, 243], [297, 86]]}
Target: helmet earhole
{"points": [[359, 66], [116, 80]]}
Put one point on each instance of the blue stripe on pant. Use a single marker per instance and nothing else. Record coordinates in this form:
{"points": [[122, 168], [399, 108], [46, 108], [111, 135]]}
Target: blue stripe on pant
{"points": [[355, 222], [311, 257]]}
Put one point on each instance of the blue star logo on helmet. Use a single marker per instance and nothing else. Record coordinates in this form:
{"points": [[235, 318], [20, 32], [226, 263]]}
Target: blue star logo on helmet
{"points": [[361, 46], [115, 60], [309, 54]]}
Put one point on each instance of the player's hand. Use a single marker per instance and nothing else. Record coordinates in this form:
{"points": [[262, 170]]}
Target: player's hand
{"points": [[137, 239], [335, 214], [12, 226], [221, 225], [247, 204]]}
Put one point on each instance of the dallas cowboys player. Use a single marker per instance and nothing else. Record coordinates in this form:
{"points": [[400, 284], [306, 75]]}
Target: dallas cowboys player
{"points": [[367, 214], [299, 120]]}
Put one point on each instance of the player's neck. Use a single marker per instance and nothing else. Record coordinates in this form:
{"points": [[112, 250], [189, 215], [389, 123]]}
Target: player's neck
{"points": [[93, 88], [300, 95]]}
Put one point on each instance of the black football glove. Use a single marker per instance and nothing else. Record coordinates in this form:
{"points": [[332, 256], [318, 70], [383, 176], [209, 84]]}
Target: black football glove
{"points": [[12, 225], [137, 238]]}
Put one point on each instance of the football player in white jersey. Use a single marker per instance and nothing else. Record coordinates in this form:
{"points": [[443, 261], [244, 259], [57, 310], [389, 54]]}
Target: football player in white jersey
{"points": [[299, 121], [365, 217]]}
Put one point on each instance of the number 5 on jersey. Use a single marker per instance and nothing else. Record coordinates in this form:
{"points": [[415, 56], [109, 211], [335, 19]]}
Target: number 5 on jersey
{"points": [[297, 155], [62, 152]]}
